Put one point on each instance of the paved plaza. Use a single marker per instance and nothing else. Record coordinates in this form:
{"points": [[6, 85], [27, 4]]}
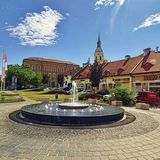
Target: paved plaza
{"points": [[139, 140]]}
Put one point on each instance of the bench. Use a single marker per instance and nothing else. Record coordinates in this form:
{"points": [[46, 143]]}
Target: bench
{"points": [[92, 101], [116, 103], [143, 106], [3, 95]]}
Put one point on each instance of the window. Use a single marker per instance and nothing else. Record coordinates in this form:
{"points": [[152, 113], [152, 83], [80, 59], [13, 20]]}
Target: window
{"points": [[45, 68], [117, 80], [39, 68], [33, 68], [155, 84], [138, 84]]}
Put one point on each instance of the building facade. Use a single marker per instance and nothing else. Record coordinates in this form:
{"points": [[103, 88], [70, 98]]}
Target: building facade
{"points": [[146, 76], [139, 73], [52, 68]]}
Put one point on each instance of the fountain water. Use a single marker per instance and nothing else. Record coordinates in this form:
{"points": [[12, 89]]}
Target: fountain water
{"points": [[74, 104], [75, 91]]}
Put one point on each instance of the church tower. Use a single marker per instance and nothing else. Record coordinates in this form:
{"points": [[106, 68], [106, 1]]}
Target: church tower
{"points": [[99, 55]]}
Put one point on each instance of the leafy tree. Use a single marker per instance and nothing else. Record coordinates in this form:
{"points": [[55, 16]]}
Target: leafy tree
{"points": [[45, 79], [25, 76], [95, 74], [37, 80], [60, 80]]}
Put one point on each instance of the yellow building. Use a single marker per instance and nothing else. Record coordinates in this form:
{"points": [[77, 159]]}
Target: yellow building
{"points": [[82, 78], [137, 73]]}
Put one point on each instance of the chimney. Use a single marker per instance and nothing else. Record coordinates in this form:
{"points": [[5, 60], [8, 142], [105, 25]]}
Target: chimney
{"points": [[88, 60], [157, 48], [146, 51], [127, 57]]}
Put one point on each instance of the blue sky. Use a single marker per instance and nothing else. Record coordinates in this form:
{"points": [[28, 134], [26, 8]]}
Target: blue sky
{"points": [[68, 30]]}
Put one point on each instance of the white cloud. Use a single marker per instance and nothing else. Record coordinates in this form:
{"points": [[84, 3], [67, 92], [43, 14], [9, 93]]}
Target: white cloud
{"points": [[150, 21], [37, 28], [100, 3]]}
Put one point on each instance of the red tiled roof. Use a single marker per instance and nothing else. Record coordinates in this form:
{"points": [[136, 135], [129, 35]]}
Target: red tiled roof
{"points": [[83, 73], [72, 72], [48, 60], [121, 67], [150, 63], [133, 65]]}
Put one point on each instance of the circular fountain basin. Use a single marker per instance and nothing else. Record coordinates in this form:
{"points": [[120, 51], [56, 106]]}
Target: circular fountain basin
{"points": [[73, 105], [55, 114]]}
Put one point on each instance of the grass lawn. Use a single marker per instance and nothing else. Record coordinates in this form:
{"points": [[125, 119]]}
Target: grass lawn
{"points": [[40, 95], [8, 99]]}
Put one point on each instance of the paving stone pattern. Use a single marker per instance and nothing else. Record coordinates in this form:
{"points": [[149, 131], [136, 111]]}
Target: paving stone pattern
{"points": [[139, 140]]}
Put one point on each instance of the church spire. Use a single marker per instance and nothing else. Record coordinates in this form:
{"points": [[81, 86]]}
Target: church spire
{"points": [[99, 41], [98, 55], [99, 49]]}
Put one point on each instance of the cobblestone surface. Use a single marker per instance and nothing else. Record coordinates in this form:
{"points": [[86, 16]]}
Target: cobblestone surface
{"points": [[139, 140]]}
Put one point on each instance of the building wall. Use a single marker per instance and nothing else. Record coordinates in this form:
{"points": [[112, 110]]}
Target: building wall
{"points": [[146, 82], [67, 81], [124, 81], [107, 82], [52, 69], [83, 83], [139, 82]]}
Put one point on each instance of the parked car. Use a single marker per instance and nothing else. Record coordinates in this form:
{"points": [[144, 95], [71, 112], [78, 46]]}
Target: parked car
{"points": [[66, 88], [148, 97], [103, 92], [80, 89], [87, 91], [70, 91]]}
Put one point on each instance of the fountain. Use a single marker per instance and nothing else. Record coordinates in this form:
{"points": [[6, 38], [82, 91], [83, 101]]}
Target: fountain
{"points": [[70, 113], [74, 104]]}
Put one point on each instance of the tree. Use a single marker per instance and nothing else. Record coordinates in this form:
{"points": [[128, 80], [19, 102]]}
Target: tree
{"points": [[95, 74], [45, 79], [25, 76], [37, 80], [60, 80]]}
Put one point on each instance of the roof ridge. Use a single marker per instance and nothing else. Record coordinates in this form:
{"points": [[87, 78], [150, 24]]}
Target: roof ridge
{"points": [[80, 70], [125, 59], [49, 59], [136, 65]]}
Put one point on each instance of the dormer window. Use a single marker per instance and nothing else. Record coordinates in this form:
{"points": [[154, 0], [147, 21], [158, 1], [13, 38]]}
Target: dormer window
{"points": [[147, 66], [120, 70]]}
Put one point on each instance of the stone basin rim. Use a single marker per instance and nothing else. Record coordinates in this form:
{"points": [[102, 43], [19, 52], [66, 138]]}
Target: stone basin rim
{"points": [[73, 105]]}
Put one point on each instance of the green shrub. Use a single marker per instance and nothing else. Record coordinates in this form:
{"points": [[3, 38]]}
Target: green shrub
{"points": [[123, 94], [85, 96]]}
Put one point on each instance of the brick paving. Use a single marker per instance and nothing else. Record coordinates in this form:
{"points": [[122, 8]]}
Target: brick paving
{"points": [[139, 140]]}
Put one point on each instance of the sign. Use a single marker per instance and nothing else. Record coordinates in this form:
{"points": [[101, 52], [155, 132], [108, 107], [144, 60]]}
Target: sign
{"points": [[151, 77], [103, 81], [14, 83]]}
